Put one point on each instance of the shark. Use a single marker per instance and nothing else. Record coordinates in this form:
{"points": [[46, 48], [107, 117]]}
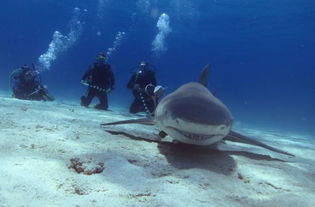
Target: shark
{"points": [[193, 115]]}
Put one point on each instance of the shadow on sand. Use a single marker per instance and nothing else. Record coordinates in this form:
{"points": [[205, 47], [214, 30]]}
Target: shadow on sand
{"points": [[184, 156]]}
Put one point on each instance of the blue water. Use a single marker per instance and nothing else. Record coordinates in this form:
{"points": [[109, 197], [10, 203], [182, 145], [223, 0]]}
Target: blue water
{"points": [[262, 52]]}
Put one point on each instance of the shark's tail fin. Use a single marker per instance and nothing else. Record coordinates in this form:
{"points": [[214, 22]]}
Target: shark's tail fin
{"points": [[204, 76]]}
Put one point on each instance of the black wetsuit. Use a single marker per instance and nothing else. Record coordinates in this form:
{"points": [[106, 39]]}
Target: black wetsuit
{"points": [[28, 88], [100, 79], [142, 102]]}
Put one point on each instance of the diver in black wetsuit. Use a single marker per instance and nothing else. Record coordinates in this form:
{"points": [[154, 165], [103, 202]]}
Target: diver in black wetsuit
{"points": [[25, 83], [100, 80], [141, 83]]}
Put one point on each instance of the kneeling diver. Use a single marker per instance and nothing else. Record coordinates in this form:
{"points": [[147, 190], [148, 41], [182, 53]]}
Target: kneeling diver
{"points": [[143, 83], [100, 80], [26, 84]]}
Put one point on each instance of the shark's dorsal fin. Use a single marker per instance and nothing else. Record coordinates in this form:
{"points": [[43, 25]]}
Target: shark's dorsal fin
{"points": [[204, 76]]}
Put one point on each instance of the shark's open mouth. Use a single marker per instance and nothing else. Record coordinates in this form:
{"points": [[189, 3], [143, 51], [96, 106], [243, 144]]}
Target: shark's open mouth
{"points": [[195, 137]]}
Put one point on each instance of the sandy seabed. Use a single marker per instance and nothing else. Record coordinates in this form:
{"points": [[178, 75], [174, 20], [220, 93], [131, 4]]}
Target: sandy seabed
{"points": [[56, 154]]}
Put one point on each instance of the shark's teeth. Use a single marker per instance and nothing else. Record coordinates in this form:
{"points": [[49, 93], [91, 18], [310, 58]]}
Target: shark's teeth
{"points": [[195, 137]]}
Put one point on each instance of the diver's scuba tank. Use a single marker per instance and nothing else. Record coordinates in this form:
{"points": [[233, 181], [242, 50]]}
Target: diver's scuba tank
{"points": [[17, 74], [13, 77]]}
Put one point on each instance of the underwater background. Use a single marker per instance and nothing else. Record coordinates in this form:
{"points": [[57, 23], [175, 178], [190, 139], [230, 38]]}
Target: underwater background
{"points": [[262, 52]]}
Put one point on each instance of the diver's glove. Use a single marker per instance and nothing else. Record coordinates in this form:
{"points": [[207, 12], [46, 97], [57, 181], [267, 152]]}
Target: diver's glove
{"points": [[154, 91], [84, 83], [158, 91]]}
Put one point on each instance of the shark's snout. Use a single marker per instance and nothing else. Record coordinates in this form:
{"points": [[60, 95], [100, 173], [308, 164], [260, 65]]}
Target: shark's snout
{"points": [[194, 116]]}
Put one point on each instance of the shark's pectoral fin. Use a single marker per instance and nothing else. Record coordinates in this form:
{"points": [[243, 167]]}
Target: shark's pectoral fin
{"points": [[136, 135], [162, 134], [237, 137], [145, 121]]}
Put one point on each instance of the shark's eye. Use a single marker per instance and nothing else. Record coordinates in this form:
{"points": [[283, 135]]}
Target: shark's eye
{"points": [[177, 121], [222, 128]]}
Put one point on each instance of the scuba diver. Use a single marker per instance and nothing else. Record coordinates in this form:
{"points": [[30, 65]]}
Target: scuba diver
{"points": [[26, 84], [100, 80], [143, 84]]}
